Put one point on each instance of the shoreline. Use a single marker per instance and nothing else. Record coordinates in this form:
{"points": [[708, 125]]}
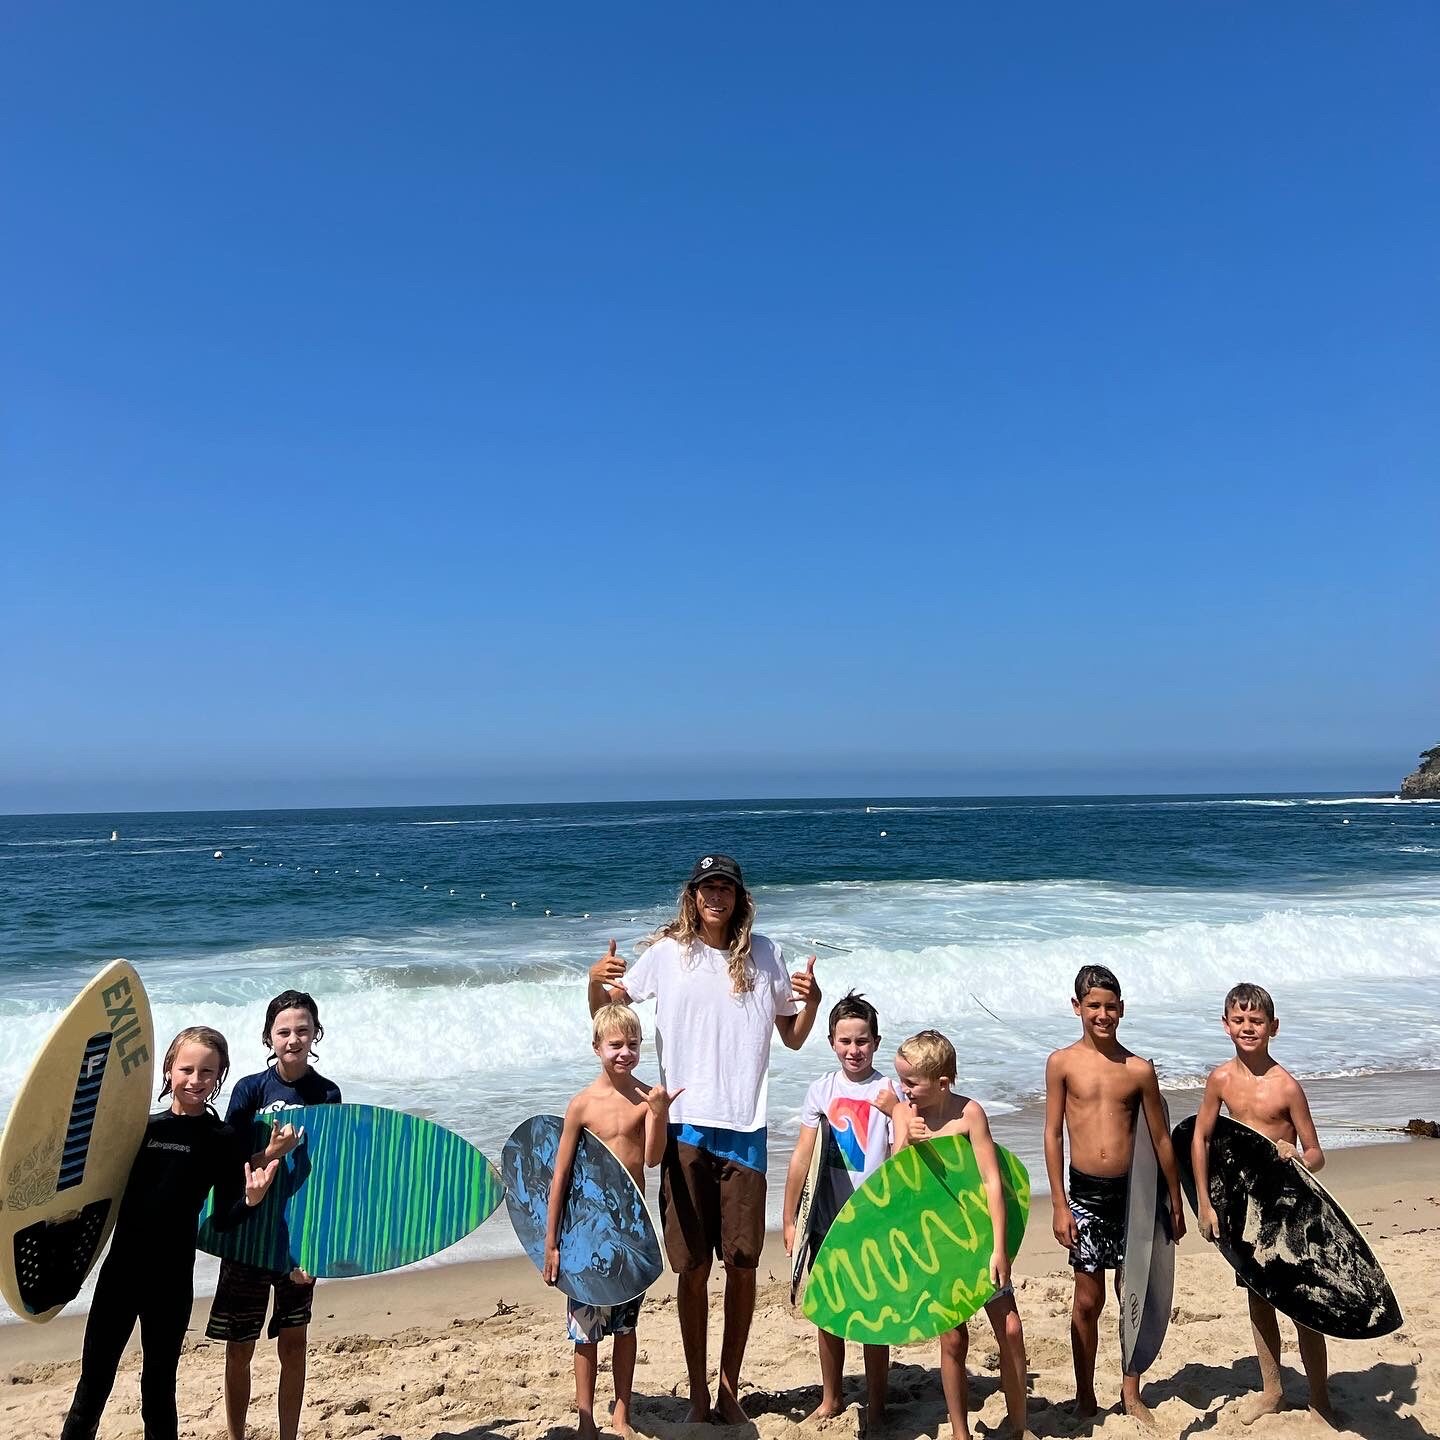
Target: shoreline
{"points": [[375, 1339]]}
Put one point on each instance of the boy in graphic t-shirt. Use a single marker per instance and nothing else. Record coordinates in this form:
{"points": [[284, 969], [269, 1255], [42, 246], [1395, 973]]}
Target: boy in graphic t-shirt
{"points": [[849, 1099]]}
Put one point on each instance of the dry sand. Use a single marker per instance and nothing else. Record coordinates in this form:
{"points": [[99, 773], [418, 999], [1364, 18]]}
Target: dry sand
{"points": [[469, 1352]]}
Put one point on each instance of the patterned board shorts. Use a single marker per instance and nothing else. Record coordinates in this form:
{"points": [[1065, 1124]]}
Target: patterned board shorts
{"points": [[1098, 1204], [243, 1295], [589, 1324]]}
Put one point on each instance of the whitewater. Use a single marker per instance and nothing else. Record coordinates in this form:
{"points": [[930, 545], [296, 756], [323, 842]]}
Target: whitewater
{"points": [[445, 988]]}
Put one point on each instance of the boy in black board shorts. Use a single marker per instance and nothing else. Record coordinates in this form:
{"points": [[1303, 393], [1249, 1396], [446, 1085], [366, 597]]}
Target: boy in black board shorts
{"points": [[1096, 1091], [292, 1026], [1260, 1092]]}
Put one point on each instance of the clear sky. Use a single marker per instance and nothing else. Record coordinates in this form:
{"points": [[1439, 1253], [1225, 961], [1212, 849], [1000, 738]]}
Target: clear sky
{"points": [[477, 402]]}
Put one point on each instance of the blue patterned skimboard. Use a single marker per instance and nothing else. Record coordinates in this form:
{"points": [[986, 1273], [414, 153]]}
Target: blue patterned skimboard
{"points": [[367, 1190], [609, 1252]]}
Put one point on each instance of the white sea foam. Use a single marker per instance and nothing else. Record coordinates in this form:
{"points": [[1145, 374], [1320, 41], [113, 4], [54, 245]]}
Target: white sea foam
{"points": [[478, 1024]]}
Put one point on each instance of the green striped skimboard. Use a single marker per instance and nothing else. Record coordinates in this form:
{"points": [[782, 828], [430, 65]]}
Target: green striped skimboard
{"points": [[367, 1190], [908, 1257]]}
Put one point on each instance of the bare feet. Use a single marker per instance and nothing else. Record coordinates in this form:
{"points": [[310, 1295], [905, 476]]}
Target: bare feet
{"points": [[728, 1410], [1083, 1407], [699, 1411], [1322, 1414], [1139, 1411], [1252, 1407], [826, 1410], [620, 1421]]}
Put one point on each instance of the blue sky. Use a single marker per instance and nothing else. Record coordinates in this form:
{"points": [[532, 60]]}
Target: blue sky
{"points": [[580, 402]]}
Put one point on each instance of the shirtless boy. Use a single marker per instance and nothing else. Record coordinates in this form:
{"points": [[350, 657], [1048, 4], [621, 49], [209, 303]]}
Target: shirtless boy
{"points": [[631, 1118], [1095, 1089], [1260, 1092], [925, 1068]]}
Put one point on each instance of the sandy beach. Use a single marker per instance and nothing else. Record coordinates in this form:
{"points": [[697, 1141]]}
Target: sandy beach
{"points": [[473, 1351]]}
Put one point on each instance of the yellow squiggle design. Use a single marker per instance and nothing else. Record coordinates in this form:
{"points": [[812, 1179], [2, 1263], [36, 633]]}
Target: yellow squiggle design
{"points": [[904, 1264]]}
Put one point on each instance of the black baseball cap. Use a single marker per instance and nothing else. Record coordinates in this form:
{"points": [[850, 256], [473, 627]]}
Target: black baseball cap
{"points": [[716, 867]]}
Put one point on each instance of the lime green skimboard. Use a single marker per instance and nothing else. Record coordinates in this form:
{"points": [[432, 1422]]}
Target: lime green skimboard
{"points": [[908, 1258]]}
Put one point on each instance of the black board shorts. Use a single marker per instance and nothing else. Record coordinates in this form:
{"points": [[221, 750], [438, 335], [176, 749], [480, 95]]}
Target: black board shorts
{"points": [[243, 1295], [1098, 1203]]}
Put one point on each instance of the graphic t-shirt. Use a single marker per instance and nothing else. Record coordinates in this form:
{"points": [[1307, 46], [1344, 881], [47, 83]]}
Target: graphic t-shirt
{"points": [[861, 1134], [710, 1041], [269, 1090]]}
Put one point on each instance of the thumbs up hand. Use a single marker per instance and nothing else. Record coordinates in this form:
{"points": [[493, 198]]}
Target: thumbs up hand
{"points": [[805, 985], [609, 969]]}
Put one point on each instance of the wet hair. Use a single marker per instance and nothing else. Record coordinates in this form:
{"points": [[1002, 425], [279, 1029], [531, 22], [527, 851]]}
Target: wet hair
{"points": [[1095, 977], [1246, 996], [291, 1000], [931, 1054], [855, 1007], [197, 1035], [686, 929], [615, 1020]]}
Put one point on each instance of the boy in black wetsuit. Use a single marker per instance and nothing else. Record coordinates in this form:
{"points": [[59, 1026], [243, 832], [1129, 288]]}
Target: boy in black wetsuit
{"points": [[148, 1273], [292, 1027]]}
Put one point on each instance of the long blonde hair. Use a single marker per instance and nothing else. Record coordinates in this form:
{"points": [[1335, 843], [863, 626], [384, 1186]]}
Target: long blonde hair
{"points": [[686, 929]]}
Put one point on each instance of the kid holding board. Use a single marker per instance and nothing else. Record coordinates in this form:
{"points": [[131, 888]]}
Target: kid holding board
{"points": [[630, 1118], [148, 1274]]}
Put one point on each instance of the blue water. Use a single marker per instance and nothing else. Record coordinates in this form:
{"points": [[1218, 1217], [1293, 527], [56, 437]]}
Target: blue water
{"points": [[464, 1000]]}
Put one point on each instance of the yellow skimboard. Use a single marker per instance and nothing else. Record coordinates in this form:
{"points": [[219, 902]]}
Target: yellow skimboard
{"points": [[70, 1139]]}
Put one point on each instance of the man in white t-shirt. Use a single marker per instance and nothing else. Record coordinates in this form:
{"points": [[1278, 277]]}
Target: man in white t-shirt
{"points": [[719, 990]]}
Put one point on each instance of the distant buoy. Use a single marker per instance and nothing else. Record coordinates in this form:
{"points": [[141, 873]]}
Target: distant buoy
{"points": [[482, 894], [219, 854], [587, 915], [114, 834], [1344, 822], [514, 904], [547, 912], [452, 892], [424, 887], [377, 874], [883, 833]]}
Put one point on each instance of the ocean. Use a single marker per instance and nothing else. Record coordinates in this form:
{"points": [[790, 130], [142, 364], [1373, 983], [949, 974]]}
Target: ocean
{"points": [[447, 946]]}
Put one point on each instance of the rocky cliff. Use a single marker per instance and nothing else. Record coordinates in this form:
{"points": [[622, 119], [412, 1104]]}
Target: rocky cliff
{"points": [[1424, 783]]}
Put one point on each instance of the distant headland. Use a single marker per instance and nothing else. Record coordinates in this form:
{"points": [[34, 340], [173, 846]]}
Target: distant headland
{"points": [[1424, 782]]}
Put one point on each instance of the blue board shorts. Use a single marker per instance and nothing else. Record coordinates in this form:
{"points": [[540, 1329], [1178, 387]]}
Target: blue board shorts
{"points": [[589, 1324]]}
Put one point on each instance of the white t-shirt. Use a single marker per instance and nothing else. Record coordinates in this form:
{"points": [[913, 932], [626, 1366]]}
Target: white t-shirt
{"points": [[861, 1133], [709, 1040]]}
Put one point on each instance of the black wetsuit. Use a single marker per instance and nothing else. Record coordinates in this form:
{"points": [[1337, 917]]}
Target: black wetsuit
{"points": [[148, 1274]]}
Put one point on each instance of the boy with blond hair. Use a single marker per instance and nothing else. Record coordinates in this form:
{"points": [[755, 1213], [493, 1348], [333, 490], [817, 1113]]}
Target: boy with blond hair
{"points": [[1095, 1091], [630, 1117], [925, 1067], [1260, 1092]]}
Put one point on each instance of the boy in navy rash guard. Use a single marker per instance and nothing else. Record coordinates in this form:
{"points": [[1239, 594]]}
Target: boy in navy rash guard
{"points": [[292, 1027], [148, 1272]]}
